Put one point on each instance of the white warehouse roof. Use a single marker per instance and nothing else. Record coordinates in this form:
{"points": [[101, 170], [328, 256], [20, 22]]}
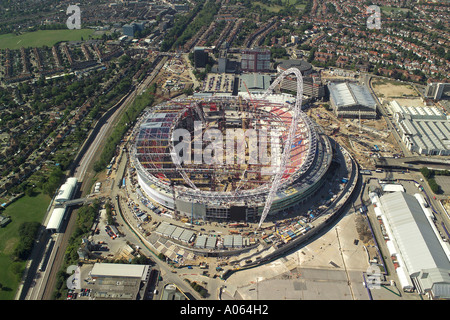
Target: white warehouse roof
{"points": [[348, 94], [420, 248], [413, 233], [119, 270]]}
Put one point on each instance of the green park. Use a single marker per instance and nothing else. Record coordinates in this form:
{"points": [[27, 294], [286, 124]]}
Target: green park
{"points": [[42, 38]]}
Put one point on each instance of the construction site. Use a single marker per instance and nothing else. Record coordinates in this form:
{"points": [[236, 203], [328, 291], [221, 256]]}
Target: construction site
{"points": [[240, 178], [365, 139], [228, 179], [175, 76]]}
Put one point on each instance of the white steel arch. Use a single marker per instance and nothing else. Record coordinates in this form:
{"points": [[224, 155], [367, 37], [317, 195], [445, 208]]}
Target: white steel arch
{"points": [[292, 130]]}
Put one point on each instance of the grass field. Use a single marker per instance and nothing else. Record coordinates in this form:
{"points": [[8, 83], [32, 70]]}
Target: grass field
{"points": [[389, 10], [42, 38], [276, 8], [25, 209]]}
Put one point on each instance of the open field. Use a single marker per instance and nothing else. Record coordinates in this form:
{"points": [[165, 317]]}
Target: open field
{"points": [[276, 8], [390, 89], [42, 38], [25, 209], [388, 10]]}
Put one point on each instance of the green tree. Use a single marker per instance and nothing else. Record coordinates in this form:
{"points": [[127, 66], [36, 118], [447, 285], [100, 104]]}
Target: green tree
{"points": [[425, 172]]}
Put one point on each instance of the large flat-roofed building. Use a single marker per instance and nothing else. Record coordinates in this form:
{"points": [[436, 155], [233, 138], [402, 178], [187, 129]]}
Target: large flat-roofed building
{"points": [[253, 82], [415, 242], [312, 86], [255, 60], [113, 270], [312, 82], [425, 130], [115, 281], [351, 100]]}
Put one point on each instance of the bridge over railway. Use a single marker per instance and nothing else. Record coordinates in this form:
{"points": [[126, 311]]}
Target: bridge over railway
{"points": [[413, 163], [74, 202]]}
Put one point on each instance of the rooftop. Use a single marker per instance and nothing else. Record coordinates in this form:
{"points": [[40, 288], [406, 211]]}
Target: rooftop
{"points": [[349, 94], [424, 256], [119, 270]]}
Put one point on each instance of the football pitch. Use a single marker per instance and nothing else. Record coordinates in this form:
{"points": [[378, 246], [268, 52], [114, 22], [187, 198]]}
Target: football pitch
{"points": [[42, 38]]}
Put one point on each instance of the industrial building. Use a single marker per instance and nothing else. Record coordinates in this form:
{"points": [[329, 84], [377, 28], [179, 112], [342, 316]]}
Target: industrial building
{"points": [[114, 281], [436, 90], [253, 82], [350, 100], [420, 256], [255, 60], [425, 130]]}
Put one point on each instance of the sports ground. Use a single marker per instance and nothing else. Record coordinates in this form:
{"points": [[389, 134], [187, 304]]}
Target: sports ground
{"points": [[42, 38]]}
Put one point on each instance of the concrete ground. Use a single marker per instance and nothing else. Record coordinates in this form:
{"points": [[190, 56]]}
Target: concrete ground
{"points": [[331, 267], [444, 183]]}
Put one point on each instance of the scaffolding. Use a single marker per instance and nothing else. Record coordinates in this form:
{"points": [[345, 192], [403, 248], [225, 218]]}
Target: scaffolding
{"points": [[154, 156]]}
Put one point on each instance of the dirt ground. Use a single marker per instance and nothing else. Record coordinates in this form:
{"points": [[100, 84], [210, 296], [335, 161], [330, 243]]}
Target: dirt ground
{"points": [[360, 144], [390, 89]]}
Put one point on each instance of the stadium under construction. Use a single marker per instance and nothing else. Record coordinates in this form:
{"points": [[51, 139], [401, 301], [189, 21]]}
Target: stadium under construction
{"points": [[231, 158]]}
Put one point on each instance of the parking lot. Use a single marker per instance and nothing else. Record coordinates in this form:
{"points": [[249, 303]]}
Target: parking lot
{"points": [[444, 183]]}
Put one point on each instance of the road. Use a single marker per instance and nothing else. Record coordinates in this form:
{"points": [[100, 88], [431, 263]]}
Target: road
{"points": [[126, 221], [384, 114], [40, 285]]}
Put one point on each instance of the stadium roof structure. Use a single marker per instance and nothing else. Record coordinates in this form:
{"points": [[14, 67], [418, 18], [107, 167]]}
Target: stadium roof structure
{"points": [[171, 181], [426, 260]]}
